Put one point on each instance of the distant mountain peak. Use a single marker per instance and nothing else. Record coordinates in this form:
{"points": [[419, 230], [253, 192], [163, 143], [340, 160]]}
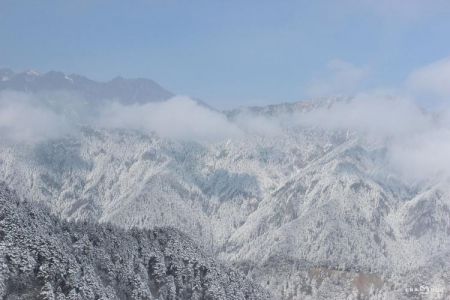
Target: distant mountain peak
{"points": [[288, 107], [32, 72], [126, 91]]}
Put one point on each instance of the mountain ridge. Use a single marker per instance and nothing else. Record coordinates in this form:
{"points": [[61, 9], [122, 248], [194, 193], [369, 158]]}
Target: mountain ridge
{"points": [[126, 91], [43, 257], [325, 199]]}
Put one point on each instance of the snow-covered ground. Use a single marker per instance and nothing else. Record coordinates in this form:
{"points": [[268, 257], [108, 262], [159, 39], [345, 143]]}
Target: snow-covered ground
{"points": [[306, 211]]}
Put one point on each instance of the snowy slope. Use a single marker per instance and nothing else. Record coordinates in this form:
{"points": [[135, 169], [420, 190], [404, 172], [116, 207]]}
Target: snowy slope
{"points": [[43, 257], [324, 198]]}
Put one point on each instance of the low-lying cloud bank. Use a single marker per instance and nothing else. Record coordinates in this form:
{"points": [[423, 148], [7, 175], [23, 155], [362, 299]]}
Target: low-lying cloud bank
{"points": [[432, 79], [418, 142], [23, 118], [33, 118], [376, 114], [179, 118]]}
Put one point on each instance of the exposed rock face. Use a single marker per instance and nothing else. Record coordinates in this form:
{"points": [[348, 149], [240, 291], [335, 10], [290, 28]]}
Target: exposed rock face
{"points": [[43, 257]]}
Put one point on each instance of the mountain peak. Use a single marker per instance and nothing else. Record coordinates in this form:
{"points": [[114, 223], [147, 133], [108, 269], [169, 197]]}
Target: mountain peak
{"points": [[126, 91], [32, 72]]}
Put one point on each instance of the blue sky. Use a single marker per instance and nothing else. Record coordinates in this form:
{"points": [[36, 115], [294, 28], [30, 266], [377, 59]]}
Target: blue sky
{"points": [[230, 53]]}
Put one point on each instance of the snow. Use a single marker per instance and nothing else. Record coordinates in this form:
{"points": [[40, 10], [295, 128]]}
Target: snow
{"points": [[325, 200], [68, 78], [32, 73], [43, 255]]}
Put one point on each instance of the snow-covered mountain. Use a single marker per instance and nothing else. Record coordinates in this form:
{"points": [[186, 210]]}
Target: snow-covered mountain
{"points": [[307, 211], [43, 257], [126, 91]]}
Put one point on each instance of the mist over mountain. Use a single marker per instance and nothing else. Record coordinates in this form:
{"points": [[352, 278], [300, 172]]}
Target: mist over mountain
{"points": [[335, 197], [288, 150]]}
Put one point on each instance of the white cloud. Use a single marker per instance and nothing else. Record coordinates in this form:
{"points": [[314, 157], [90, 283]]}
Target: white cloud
{"points": [[179, 118], [377, 114], [418, 142], [431, 80], [341, 78], [33, 118], [23, 119], [422, 155], [258, 125]]}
